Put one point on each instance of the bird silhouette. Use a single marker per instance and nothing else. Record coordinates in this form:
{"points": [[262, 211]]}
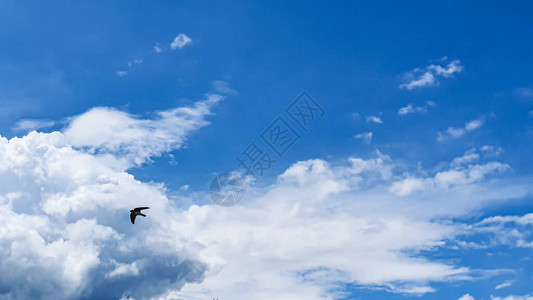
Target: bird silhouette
{"points": [[137, 212]]}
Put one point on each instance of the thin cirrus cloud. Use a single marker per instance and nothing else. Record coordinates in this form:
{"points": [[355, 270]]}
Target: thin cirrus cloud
{"points": [[429, 76], [453, 132]]}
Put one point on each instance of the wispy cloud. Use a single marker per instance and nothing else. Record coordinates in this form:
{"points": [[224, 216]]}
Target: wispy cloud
{"points": [[222, 87], [453, 132], [503, 285], [409, 109], [513, 297], [365, 136], [121, 73], [374, 119], [524, 92], [428, 76], [135, 62], [157, 48], [31, 124], [180, 41]]}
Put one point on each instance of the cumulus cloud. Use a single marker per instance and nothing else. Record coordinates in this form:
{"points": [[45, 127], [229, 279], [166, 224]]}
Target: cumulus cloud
{"points": [[180, 41], [453, 132], [466, 297], [365, 136], [65, 198], [428, 76], [65, 232]]}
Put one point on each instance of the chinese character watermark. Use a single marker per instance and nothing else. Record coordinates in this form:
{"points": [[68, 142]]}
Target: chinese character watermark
{"points": [[227, 189]]}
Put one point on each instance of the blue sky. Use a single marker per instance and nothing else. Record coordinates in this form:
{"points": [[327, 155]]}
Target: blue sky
{"points": [[427, 131]]}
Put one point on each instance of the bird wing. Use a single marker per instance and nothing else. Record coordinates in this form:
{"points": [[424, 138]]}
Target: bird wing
{"points": [[132, 218], [141, 208]]}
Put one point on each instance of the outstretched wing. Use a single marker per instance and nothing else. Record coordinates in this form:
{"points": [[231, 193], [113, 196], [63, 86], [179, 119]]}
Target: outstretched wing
{"points": [[132, 218], [141, 208]]}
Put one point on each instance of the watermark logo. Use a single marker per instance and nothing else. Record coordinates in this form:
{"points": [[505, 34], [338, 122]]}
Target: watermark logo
{"points": [[256, 159], [226, 189]]}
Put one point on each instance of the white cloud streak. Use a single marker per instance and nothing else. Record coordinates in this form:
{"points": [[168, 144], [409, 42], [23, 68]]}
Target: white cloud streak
{"points": [[428, 76], [453, 132], [31, 124]]}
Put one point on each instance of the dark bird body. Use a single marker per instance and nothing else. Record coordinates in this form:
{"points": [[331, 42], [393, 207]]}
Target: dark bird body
{"points": [[137, 212]]}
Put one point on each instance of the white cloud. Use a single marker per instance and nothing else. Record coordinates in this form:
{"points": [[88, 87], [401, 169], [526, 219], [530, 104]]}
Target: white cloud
{"points": [[158, 48], [512, 231], [428, 76], [184, 187], [466, 297], [491, 151], [107, 130], [222, 87], [180, 41], [462, 171], [65, 198], [121, 73], [374, 119], [470, 156], [524, 297], [31, 124], [503, 285], [453, 132], [135, 62], [365, 136], [409, 109]]}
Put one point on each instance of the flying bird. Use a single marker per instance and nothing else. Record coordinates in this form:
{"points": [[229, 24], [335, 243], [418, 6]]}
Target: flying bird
{"points": [[137, 212]]}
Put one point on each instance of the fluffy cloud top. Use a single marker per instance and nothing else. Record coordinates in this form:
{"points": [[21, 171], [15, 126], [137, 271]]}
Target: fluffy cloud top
{"points": [[107, 130]]}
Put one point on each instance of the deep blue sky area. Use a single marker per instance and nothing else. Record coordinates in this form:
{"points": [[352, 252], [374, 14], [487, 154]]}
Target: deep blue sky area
{"points": [[59, 59]]}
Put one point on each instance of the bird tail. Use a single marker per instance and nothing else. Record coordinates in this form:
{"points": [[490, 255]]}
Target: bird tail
{"points": [[142, 215]]}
